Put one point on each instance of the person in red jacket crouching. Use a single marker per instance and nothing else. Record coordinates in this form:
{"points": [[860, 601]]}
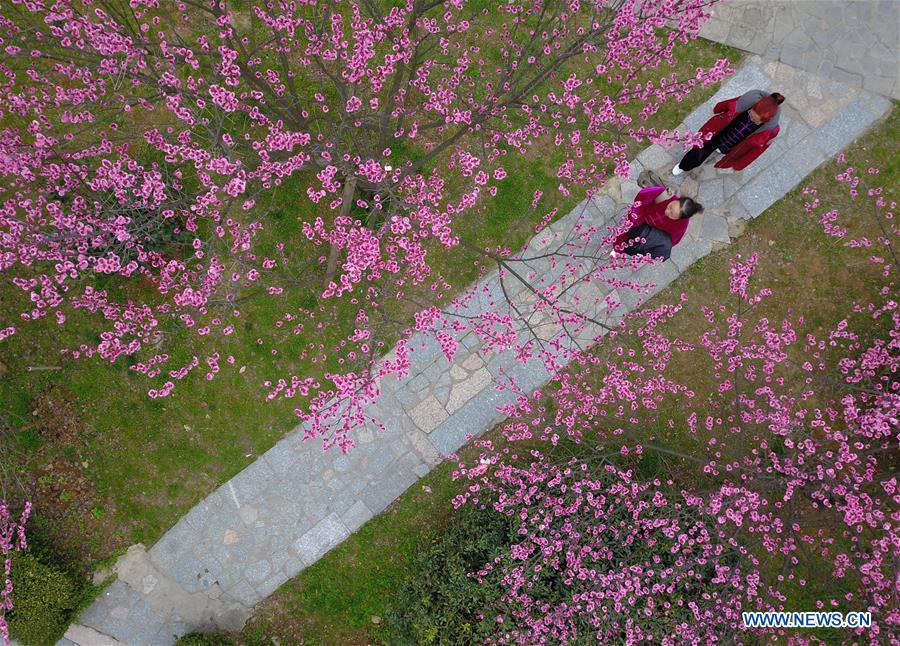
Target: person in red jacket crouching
{"points": [[658, 221], [742, 128]]}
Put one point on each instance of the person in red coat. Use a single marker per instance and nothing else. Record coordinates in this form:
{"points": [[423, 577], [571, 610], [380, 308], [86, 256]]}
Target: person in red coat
{"points": [[659, 220], [742, 128]]}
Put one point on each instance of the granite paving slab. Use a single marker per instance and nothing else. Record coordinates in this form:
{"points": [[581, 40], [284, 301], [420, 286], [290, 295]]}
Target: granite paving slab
{"points": [[854, 43]]}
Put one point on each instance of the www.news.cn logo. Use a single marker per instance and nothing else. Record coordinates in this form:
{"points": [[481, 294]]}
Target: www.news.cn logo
{"points": [[807, 619]]}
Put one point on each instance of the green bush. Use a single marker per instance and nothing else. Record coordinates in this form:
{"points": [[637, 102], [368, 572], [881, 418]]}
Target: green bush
{"points": [[44, 599], [202, 639], [441, 604]]}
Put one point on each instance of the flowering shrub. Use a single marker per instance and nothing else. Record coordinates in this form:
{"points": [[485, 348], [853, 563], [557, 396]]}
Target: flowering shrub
{"points": [[12, 538], [597, 555], [44, 600], [442, 602]]}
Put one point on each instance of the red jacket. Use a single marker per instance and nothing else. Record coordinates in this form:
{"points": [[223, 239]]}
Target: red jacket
{"points": [[750, 148], [645, 210]]}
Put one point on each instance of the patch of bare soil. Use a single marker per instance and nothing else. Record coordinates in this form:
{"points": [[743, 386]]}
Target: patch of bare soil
{"points": [[68, 511], [83, 529], [54, 415]]}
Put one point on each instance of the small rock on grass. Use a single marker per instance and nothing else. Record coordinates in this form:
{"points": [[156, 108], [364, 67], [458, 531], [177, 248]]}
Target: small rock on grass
{"points": [[101, 576], [736, 228]]}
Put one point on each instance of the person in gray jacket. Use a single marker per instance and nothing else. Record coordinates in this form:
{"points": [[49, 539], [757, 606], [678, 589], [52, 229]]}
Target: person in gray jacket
{"points": [[742, 128]]}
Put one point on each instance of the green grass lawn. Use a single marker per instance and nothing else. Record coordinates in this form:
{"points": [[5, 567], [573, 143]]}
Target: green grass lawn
{"points": [[344, 596]]}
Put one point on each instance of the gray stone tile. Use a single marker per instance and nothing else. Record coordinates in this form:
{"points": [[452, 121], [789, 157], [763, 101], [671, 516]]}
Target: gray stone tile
{"points": [[748, 77], [777, 148], [425, 348], [178, 540], [736, 210], [851, 79], [586, 211], [804, 159], [429, 414], [695, 120], [416, 384], [116, 594], [843, 128], [632, 300], [199, 569], [792, 132], [128, 617], [707, 171], [244, 593], [436, 372], [174, 628], [279, 558], [528, 377], [409, 399], [688, 251], [730, 186], [407, 464], [316, 506], [634, 169], [357, 516], [656, 157], [380, 456], [660, 274], [631, 189], [343, 463], [257, 572], [249, 483], [231, 575], [760, 43], [478, 414], [711, 193], [315, 543], [767, 188], [468, 388], [714, 228], [420, 443], [605, 204], [792, 55], [386, 488], [145, 623], [283, 459], [271, 584], [715, 30], [876, 105], [293, 566]]}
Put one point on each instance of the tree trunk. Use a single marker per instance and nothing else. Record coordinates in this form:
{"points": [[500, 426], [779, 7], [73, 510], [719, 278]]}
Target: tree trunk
{"points": [[346, 203]]}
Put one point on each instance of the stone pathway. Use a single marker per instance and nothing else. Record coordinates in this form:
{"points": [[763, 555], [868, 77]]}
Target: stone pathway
{"points": [[854, 42], [294, 504]]}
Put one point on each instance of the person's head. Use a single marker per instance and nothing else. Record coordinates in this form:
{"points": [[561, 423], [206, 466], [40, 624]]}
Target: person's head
{"points": [[683, 208], [766, 108]]}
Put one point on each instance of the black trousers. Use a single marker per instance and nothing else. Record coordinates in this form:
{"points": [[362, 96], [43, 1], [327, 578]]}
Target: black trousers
{"points": [[696, 156], [657, 242]]}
